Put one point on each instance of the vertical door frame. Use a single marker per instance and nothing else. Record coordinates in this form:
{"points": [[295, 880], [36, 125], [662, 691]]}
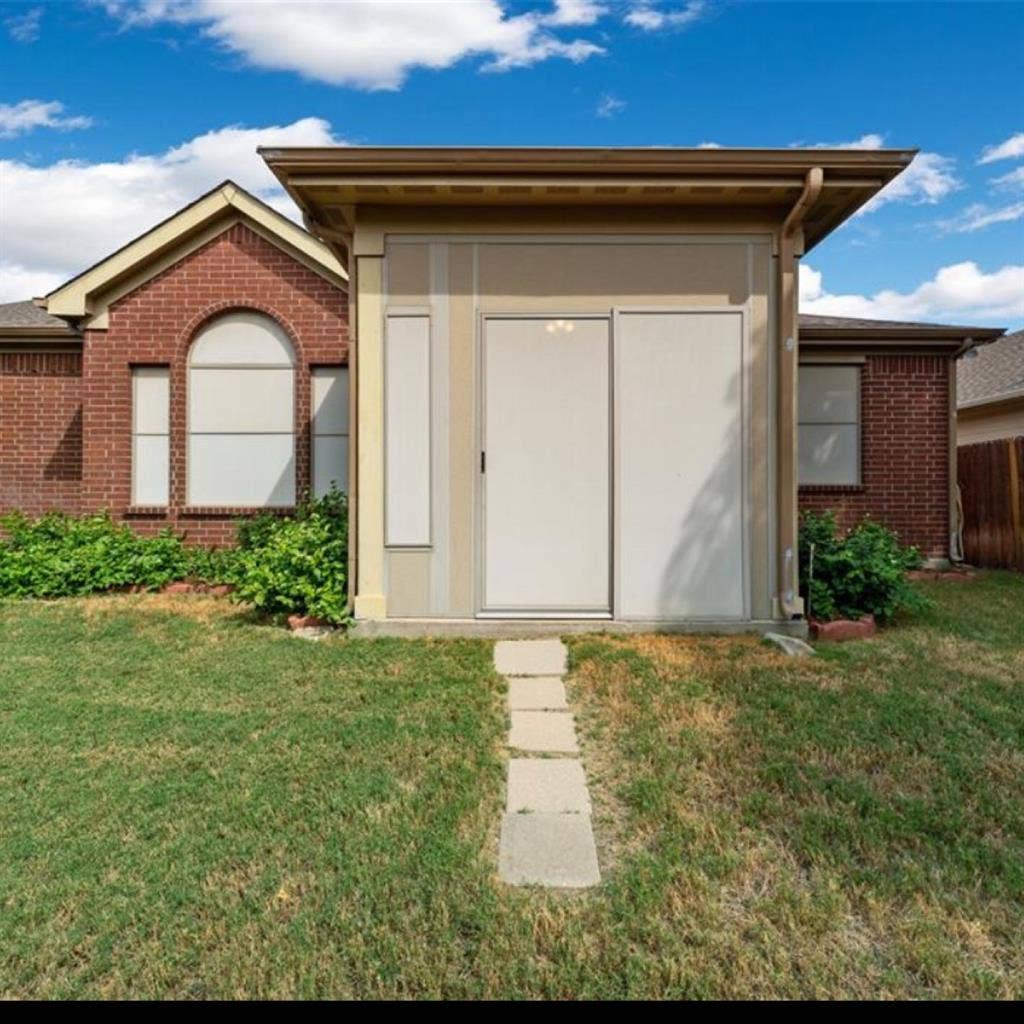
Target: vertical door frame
{"points": [[480, 490]]}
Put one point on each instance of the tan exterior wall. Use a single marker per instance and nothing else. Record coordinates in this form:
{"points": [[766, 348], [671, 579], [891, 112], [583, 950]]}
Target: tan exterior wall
{"points": [[458, 277], [989, 423]]}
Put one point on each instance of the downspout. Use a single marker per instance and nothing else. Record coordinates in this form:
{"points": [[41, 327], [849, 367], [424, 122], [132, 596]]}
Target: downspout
{"points": [[791, 246], [956, 508]]}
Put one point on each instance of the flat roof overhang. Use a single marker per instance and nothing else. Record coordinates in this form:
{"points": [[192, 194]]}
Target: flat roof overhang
{"points": [[328, 182]]}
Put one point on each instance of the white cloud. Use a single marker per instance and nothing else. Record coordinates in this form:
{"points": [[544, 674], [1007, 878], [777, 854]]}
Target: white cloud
{"points": [[929, 178], [18, 118], [870, 141], [978, 216], [18, 282], [709, 145], [59, 218], [576, 12], [1015, 179], [25, 28], [650, 15], [1006, 150], [609, 105], [373, 45], [960, 292]]}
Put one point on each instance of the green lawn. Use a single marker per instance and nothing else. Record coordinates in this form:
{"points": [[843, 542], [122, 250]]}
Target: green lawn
{"points": [[196, 805]]}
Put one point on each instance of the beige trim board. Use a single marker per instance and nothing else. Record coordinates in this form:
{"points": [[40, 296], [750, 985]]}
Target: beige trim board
{"points": [[147, 254], [496, 628]]}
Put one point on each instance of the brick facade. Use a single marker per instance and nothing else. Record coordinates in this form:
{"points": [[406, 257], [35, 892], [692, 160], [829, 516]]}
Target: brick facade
{"points": [[155, 325], [904, 453], [40, 431]]}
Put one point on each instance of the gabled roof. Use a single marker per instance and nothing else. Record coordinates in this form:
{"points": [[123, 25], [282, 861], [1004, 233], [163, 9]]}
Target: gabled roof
{"points": [[994, 373], [326, 182], [88, 293], [27, 320]]}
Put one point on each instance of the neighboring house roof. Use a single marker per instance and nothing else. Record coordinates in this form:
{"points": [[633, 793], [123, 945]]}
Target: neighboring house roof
{"points": [[26, 319], [88, 294], [994, 373], [856, 331], [325, 182]]}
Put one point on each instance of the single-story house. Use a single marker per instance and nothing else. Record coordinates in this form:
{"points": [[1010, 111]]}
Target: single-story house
{"points": [[990, 391], [192, 376], [574, 390]]}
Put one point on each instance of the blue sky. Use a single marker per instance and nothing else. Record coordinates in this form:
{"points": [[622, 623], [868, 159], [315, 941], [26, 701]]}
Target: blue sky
{"points": [[115, 112]]}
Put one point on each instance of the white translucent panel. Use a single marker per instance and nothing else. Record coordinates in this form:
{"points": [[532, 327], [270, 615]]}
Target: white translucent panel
{"points": [[242, 401], [150, 399], [680, 465], [250, 470], [828, 453], [244, 338], [829, 394], [407, 430], [330, 464], [330, 400], [151, 469], [547, 479]]}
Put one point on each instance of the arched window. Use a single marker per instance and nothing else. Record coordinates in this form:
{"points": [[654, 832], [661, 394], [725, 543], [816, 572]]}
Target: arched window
{"points": [[241, 414]]}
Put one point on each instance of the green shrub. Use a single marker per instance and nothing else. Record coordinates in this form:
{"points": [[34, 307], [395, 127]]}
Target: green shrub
{"points": [[59, 555], [297, 564], [856, 574]]}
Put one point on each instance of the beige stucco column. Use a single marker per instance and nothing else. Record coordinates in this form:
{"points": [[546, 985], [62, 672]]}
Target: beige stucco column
{"points": [[370, 601]]}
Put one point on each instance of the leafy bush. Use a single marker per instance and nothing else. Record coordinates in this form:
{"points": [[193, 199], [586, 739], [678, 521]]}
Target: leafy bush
{"points": [[297, 564], [856, 574], [59, 555]]}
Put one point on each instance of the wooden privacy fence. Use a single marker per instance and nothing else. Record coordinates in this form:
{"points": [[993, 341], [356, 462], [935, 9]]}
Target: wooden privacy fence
{"points": [[991, 477]]}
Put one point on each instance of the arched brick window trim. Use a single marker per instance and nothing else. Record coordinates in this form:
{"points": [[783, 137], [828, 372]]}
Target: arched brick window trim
{"points": [[179, 400]]}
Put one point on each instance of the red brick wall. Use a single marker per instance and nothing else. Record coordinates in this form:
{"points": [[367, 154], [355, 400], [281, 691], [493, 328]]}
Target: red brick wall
{"points": [[904, 453], [156, 323], [40, 431]]}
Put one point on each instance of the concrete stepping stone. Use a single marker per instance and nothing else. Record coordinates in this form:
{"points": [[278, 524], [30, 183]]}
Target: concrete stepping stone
{"points": [[537, 693], [547, 786], [543, 732], [555, 850], [530, 657]]}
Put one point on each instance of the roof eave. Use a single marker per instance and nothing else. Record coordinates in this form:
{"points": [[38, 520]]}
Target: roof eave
{"points": [[862, 173]]}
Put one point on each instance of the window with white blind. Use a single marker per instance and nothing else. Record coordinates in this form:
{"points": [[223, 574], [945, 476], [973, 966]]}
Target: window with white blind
{"points": [[330, 428], [829, 427], [241, 414], [151, 468]]}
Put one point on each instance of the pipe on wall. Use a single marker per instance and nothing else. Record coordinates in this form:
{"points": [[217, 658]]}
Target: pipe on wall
{"points": [[791, 246]]}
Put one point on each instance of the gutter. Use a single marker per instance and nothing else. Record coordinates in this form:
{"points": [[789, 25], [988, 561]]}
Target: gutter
{"points": [[791, 247]]}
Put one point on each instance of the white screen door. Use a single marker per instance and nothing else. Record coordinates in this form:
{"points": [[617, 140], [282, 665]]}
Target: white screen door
{"points": [[679, 411], [546, 480]]}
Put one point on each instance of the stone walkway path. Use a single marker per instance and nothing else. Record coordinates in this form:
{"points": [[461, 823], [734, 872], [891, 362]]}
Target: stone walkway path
{"points": [[546, 837]]}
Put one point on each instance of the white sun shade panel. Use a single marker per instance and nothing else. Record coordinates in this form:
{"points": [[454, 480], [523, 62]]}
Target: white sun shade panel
{"points": [[680, 459], [245, 470], [407, 431], [150, 435], [243, 339], [330, 428]]}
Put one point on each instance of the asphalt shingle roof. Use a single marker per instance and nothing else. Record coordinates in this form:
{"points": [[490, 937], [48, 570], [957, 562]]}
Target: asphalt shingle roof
{"points": [[995, 371], [27, 315], [857, 323]]}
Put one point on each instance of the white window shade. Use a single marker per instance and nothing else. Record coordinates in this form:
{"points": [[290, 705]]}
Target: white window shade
{"points": [[241, 414], [330, 428], [150, 435], [829, 427]]}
